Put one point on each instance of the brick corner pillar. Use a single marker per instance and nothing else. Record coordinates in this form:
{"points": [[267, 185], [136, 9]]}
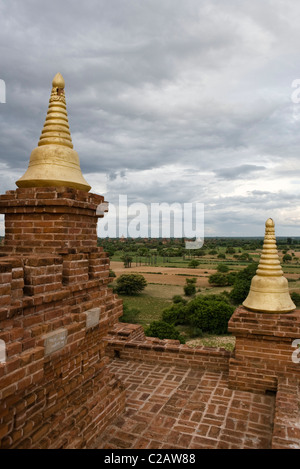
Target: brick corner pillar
{"points": [[56, 310], [264, 349], [50, 219]]}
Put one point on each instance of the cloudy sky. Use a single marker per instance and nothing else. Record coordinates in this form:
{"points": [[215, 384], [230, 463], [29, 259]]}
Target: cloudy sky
{"points": [[173, 101]]}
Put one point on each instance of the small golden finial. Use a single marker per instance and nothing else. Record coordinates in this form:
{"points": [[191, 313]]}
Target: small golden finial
{"points": [[54, 162], [58, 81], [269, 264], [269, 290]]}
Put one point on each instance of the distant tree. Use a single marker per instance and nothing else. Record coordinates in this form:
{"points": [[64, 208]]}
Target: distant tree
{"points": [[221, 255], [242, 284], [244, 256], [175, 314], [179, 299], [143, 251], [230, 250], [222, 268], [110, 251], [127, 259], [190, 287], [218, 279], [163, 330], [199, 252], [130, 284], [194, 263], [287, 258], [231, 276], [209, 313]]}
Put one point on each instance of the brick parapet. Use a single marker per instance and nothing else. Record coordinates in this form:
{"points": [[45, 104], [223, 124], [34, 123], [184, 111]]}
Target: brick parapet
{"points": [[249, 323], [263, 351], [49, 196], [286, 428], [57, 220], [128, 342]]}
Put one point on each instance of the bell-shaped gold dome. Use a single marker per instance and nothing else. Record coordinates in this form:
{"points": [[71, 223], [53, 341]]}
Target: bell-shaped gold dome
{"points": [[54, 162], [269, 291]]}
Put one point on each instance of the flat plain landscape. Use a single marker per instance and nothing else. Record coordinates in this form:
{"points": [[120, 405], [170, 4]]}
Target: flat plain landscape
{"points": [[166, 274]]}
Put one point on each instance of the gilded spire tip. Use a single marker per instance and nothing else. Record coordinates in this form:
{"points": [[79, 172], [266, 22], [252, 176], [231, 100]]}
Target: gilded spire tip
{"points": [[58, 81], [270, 223]]}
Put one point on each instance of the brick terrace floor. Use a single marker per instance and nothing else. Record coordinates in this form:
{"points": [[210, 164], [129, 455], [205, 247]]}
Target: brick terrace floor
{"points": [[177, 408]]}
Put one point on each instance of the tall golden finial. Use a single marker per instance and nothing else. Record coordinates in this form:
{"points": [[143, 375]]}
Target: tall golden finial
{"points": [[54, 162], [269, 291], [56, 128]]}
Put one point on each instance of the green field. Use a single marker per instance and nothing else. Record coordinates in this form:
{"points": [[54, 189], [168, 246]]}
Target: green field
{"points": [[158, 296]]}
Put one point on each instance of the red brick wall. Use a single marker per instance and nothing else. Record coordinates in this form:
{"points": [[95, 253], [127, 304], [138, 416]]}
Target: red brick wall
{"points": [[49, 219], [286, 430], [53, 279], [128, 342], [263, 350]]}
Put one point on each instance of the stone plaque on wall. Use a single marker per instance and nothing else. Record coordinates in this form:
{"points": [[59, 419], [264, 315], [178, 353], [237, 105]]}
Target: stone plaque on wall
{"points": [[55, 340], [92, 317], [2, 351]]}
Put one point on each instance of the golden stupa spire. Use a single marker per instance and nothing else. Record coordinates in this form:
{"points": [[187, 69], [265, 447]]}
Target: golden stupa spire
{"points": [[54, 162], [269, 291], [56, 128]]}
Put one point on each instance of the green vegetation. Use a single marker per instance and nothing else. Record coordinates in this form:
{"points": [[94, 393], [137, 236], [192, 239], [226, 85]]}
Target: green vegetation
{"points": [[130, 315], [150, 306], [296, 298], [287, 258], [242, 284], [209, 313], [175, 314], [222, 280], [127, 260], [130, 284], [179, 299], [223, 268], [219, 280], [163, 330], [206, 313], [190, 286]]}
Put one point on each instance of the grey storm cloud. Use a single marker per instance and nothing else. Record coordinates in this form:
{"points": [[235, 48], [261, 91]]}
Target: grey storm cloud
{"points": [[241, 171], [167, 100]]}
